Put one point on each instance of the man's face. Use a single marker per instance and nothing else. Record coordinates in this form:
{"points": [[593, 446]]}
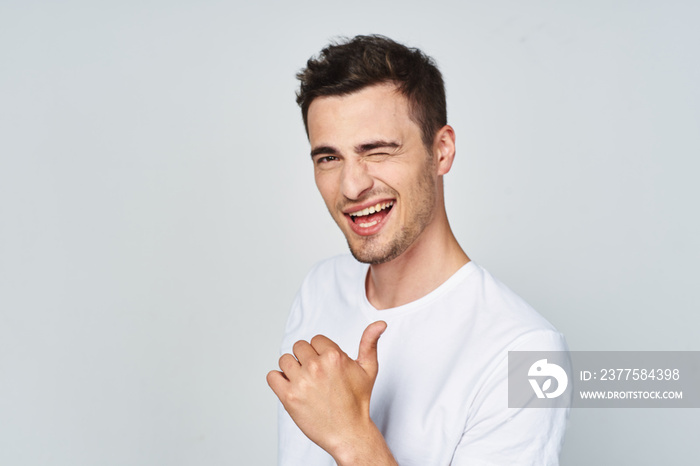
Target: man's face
{"points": [[373, 171]]}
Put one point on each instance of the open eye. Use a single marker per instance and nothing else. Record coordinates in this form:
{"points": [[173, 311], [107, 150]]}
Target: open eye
{"points": [[326, 159]]}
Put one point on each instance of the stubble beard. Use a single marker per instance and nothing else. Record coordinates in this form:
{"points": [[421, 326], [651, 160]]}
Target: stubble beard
{"points": [[372, 253], [370, 249]]}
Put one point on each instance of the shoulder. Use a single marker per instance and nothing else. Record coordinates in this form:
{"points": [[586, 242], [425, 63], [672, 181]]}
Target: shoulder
{"points": [[342, 263], [500, 305], [334, 271], [492, 319], [332, 289]]}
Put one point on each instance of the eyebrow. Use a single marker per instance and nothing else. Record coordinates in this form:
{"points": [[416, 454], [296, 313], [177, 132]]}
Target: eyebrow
{"points": [[360, 149], [323, 150], [376, 145]]}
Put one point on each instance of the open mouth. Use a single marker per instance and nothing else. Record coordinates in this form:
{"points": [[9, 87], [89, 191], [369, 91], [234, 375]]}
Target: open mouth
{"points": [[371, 216]]}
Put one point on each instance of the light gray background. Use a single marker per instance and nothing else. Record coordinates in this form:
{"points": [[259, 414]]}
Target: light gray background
{"points": [[158, 211]]}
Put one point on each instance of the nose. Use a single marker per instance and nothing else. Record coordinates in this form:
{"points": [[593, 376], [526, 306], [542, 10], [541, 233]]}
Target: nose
{"points": [[355, 180]]}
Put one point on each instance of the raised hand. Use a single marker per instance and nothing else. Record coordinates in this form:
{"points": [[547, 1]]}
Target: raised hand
{"points": [[327, 394]]}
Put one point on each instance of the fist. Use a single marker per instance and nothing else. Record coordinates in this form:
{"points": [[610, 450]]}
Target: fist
{"points": [[327, 393]]}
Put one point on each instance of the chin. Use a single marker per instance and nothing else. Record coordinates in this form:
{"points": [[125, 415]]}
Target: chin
{"points": [[370, 259], [380, 254]]}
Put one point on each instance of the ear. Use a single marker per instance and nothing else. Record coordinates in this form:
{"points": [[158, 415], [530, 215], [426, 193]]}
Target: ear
{"points": [[444, 148]]}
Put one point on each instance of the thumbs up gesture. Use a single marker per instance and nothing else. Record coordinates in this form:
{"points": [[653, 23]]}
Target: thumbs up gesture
{"points": [[327, 394]]}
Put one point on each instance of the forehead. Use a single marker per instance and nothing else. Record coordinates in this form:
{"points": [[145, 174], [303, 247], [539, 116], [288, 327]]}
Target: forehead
{"points": [[373, 112]]}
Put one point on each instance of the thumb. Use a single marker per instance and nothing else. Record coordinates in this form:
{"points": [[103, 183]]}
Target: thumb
{"points": [[367, 356]]}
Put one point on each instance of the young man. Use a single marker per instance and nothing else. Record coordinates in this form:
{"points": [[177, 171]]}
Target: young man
{"points": [[376, 119]]}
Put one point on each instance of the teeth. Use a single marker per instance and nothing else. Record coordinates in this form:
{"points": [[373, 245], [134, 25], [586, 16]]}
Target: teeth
{"points": [[372, 209], [367, 225]]}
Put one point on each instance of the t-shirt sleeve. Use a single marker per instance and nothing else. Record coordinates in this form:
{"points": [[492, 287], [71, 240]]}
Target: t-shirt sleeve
{"points": [[496, 434]]}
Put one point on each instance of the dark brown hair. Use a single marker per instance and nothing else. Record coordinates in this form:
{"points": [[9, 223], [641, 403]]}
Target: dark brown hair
{"points": [[350, 65]]}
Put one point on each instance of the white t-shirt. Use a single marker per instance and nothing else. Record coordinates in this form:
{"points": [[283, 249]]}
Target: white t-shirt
{"points": [[441, 395]]}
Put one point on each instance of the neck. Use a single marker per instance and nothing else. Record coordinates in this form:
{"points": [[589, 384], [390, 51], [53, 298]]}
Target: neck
{"points": [[433, 258]]}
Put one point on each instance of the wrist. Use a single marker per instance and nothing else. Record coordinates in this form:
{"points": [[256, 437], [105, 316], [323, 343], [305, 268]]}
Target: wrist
{"points": [[365, 447]]}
